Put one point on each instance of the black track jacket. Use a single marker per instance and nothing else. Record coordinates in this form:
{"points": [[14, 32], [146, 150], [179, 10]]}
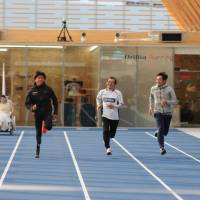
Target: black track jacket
{"points": [[43, 96]]}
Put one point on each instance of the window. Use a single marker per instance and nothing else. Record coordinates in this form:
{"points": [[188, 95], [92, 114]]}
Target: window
{"points": [[121, 15]]}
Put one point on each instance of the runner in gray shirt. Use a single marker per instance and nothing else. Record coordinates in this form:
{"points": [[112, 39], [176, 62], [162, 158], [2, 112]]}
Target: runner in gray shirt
{"points": [[161, 102]]}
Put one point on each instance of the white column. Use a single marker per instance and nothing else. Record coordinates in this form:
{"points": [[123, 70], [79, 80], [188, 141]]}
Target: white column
{"points": [[3, 81]]}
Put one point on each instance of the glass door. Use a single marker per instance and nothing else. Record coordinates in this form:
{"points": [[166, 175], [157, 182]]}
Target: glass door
{"points": [[15, 76], [49, 61], [80, 81], [187, 85], [120, 62]]}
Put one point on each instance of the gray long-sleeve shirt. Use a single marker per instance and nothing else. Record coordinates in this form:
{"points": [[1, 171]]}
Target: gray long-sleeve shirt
{"points": [[158, 94]]}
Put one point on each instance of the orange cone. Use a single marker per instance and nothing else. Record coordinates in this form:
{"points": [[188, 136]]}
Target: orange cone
{"points": [[44, 130]]}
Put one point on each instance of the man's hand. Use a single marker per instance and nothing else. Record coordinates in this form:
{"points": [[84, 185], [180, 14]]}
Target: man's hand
{"points": [[99, 107], [111, 106], [34, 107], [55, 117], [150, 111], [163, 102]]}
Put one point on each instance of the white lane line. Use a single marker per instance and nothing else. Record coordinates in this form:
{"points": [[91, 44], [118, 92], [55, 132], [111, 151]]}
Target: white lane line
{"points": [[86, 194], [55, 188], [11, 159], [40, 188], [177, 149], [149, 171]]}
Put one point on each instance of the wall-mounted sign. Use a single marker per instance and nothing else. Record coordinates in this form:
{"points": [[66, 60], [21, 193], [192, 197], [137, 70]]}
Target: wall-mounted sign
{"points": [[147, 4]]}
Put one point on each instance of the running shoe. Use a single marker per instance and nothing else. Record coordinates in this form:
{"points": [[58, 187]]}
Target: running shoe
{"points": [[162, 151], [108, 151], [156, 134], [37, 151]]}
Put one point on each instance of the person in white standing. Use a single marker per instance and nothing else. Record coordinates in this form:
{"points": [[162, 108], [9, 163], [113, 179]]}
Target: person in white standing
{"points": [[109, 100]]}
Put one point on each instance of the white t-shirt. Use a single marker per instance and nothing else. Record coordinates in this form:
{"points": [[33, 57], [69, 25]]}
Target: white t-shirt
{"points": [[106, 97]]}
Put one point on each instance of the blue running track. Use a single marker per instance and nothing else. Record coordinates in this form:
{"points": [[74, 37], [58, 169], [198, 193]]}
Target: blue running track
{"points": [[73, 165]]}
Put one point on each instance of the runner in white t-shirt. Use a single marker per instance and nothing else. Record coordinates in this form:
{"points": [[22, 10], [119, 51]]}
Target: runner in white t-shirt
{"points": [[109, 100]]}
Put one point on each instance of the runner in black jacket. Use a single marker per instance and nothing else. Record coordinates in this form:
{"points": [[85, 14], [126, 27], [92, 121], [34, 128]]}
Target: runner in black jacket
{"points": [[39, 100]]}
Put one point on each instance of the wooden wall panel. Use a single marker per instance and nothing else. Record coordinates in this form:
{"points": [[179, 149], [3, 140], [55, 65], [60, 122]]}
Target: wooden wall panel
{"points": [[185, 12], [93, 36]]}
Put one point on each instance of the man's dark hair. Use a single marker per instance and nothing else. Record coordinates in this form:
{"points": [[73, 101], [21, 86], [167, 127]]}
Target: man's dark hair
{"points": [[112, 77], [164, 75], [39, 73]]}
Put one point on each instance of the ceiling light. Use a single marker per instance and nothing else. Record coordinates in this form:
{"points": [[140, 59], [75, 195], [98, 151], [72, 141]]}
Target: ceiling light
{"points": [[93, 48], [31, 46], [3, 49]]}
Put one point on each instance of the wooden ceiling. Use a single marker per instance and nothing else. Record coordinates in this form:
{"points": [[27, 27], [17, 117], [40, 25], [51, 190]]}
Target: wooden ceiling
{"points": [[185, 12]]}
